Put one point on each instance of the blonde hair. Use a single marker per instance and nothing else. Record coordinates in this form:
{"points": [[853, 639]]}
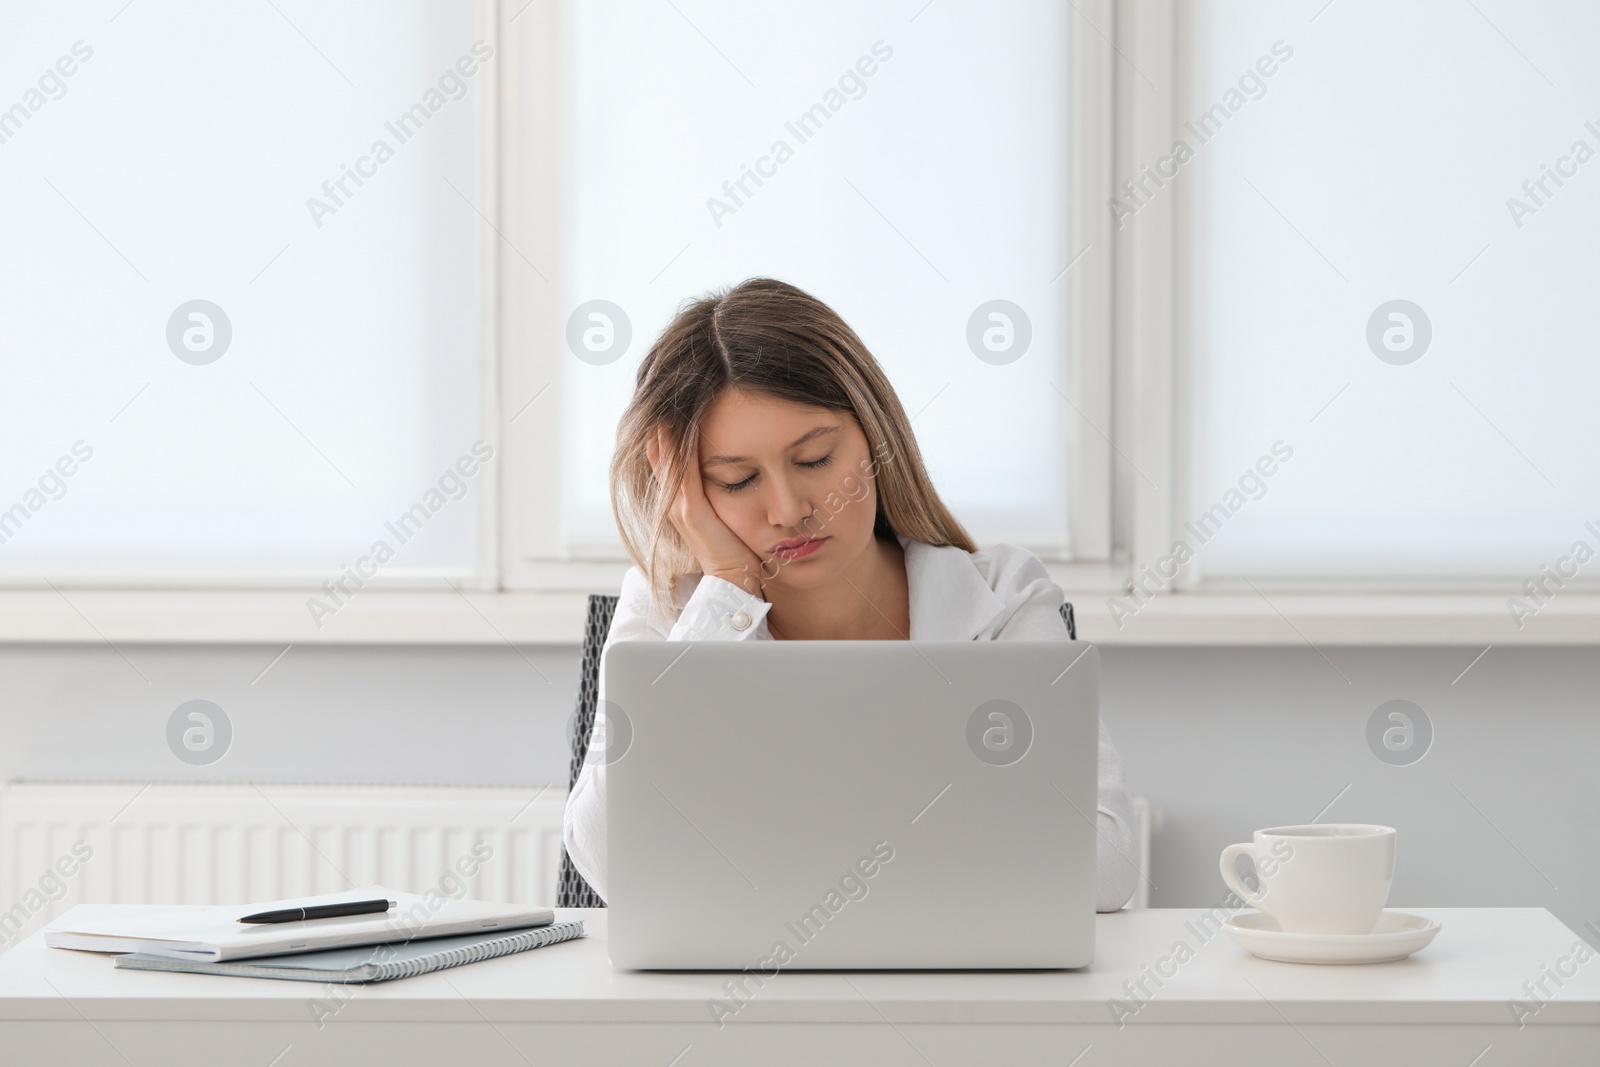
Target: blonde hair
{"points": [[765, 337]]}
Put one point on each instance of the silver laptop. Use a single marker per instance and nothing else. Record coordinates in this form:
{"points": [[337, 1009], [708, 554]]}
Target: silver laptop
{"points": [[783, 805]]}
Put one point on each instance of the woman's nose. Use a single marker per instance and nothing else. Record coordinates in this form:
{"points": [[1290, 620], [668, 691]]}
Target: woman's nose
{"points": [[786, 505]]}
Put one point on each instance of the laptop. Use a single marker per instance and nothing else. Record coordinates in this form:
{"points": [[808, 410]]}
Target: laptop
{"points": [[821, 805]]}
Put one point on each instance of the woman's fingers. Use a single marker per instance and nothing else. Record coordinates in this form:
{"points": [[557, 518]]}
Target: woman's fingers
{"points": [[694, 489], [656, 452], [716, 547]]}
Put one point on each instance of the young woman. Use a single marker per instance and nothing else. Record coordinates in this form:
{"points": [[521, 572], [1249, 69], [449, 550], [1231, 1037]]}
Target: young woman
{"points": [[768, 487]]}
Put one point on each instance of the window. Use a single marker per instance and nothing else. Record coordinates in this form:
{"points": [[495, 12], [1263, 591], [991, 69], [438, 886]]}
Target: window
{"points": [[242, 284], [905, 164], [1303, 287], [1386, 247]]}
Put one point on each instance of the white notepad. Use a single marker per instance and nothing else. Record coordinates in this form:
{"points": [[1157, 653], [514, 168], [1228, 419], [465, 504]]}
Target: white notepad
{"points": [[213, 932], [369, 963]]}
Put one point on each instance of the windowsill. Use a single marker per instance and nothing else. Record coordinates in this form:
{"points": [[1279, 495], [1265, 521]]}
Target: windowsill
{"points": [[556, 618], [1213, 618]]}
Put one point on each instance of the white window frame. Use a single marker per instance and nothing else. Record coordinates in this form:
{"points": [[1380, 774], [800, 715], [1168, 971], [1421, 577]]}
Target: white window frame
{"points": [[1129, 381], [1153, 363]]}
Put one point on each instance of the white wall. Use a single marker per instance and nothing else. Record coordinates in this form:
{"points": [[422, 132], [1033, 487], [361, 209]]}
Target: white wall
{"points": [[1501, 812], [363, 715]]}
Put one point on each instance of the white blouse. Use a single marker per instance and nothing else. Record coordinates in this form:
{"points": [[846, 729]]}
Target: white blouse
{"points": [[1004, 594]]}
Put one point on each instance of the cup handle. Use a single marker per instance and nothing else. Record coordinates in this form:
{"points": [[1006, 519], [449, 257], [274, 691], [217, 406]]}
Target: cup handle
{"points": [[1231, 876]]}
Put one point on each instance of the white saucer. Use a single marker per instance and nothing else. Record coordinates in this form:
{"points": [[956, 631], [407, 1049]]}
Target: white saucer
{"points": [[1396, 936]]}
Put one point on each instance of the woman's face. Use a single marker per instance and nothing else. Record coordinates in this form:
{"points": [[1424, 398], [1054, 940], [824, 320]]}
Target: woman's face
{"points": [[775, 471]]}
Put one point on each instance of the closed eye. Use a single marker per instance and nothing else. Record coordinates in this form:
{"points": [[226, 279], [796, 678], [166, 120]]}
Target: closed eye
{"points": [[812, 465]]}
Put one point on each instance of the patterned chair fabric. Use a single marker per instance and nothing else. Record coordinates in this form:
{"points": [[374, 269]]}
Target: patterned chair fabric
{"points": [[573, 891]]}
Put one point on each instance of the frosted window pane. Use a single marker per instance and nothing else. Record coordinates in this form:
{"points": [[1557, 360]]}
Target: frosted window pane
{"points": [[936, 184], [176, 164], [1376, 165]]}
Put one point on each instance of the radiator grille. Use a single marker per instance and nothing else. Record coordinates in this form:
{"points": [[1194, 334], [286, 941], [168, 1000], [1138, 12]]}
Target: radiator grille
{"points": [[204, 844]]}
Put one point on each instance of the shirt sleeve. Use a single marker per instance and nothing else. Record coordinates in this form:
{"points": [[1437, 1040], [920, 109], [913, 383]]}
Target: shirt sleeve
{"points": [[716, 610], [1035, 601]]}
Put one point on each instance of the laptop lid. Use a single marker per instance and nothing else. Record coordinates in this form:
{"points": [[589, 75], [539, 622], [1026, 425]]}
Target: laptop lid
{"points": [[851, 804]]}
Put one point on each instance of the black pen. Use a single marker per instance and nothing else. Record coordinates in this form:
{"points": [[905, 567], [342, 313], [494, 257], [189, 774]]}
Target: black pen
{"points": [[319, 911]]}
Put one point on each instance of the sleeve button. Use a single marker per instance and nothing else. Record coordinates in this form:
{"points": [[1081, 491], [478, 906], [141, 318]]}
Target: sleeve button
{"points": [[741, 620]]}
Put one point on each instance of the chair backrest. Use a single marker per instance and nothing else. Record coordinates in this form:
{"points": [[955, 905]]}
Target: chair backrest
{"points": [[572, 891]]}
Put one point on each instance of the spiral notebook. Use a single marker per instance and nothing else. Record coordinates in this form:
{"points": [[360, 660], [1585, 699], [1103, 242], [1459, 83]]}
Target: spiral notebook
{"points": [[369, 963]]}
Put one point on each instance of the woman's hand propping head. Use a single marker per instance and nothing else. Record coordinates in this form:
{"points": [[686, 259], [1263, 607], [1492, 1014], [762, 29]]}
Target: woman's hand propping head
{"points": [[718, 549]]}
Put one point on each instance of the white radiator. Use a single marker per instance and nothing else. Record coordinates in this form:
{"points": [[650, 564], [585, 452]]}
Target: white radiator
{"points": [[68, 843]]}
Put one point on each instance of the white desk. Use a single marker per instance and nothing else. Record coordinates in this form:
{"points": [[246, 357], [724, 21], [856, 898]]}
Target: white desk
{"points": [[565, 1005]]}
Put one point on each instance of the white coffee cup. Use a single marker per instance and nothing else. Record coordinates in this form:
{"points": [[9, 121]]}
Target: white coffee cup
{"points": [[1320, 878]]}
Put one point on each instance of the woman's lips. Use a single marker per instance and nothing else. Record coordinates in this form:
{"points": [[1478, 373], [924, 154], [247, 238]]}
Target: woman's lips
{"points": [[799, 551]]}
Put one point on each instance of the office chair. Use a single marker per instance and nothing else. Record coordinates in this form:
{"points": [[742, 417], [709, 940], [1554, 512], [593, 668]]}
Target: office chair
{"points": [[572, 891]]}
